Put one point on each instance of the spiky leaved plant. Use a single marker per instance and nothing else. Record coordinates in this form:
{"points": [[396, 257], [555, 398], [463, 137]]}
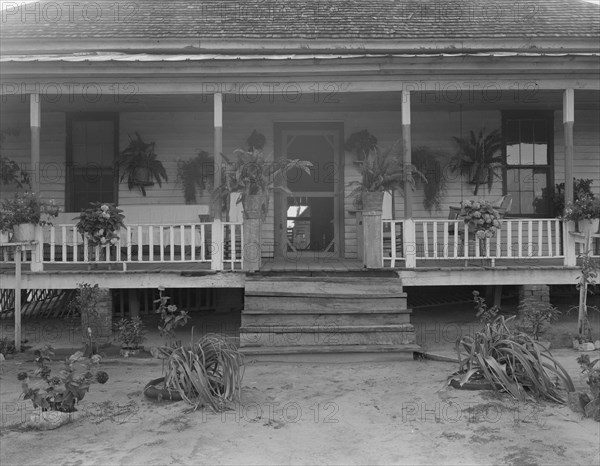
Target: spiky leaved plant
{"points": [[511, 362], [207, 373]]}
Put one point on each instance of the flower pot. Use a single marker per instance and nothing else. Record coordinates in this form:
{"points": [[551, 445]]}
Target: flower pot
{"points": [[142, 176], [155, 390], [372, 201], [253, 205], [23, 232], [590, 226], [4, 237]]}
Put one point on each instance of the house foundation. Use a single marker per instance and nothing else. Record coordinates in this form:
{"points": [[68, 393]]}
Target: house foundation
{"points": [[537, 292]]}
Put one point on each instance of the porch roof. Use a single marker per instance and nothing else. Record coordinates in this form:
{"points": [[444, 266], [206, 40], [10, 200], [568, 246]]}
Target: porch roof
{"points": [[147, 57], [305, 25]]}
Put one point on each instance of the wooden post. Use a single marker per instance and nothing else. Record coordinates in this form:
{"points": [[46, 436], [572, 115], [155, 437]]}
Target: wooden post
{"points": [[372, 254], [570, 259], [18, 299], [35, 123], [218, 150], [216, 253], [409, 245], [406, 150], [37, 256], [568, 122], [252, 243]]}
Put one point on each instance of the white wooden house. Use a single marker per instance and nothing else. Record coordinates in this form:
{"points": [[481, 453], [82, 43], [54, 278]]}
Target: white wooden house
{"points": [[76, 80]]}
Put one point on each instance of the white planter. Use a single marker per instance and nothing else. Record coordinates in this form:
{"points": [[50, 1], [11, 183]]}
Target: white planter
{"points": [[589, 226], [4, 237], [23, 232]]}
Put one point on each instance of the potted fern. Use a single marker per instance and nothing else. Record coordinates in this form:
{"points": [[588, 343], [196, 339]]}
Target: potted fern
{"points": [[139, 165], [381, 171], [479, 157]]}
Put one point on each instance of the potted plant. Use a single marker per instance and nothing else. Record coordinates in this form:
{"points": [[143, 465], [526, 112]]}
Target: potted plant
{"points": [[100, 223], [361, 143], [479, 157], [195, 175], [381, 171], [481, 217], [139, 164], [586, 212], [24, 212], [253, 176], [428, 161], [131, 334], [581, 187]]}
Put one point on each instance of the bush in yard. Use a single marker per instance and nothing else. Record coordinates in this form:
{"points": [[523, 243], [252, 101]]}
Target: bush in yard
{"points": [[536, 315]]}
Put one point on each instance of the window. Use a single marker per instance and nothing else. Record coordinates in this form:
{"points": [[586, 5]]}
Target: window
{"points": [[92, 146], [528, 172]]}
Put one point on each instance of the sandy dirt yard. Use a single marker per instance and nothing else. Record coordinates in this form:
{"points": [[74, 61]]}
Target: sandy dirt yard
{"points": [[291, 413]]}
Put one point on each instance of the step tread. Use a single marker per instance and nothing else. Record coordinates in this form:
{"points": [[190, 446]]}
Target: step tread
{"points": [[308, 349], [321, 312], [323, 294], [326, 328]]}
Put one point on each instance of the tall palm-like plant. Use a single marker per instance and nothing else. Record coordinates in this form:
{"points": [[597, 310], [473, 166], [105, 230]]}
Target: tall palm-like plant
{"points": [[479, 156]]}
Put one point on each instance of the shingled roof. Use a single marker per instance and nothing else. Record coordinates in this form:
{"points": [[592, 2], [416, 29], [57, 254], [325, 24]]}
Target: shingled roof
{"points": [[306, 20]]}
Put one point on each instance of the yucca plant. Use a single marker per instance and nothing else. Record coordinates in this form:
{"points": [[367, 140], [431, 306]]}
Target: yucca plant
{"points": [[511, 362], [207, 373], [479, 156]]}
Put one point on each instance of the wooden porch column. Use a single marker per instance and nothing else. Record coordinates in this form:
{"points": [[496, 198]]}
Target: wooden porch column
{"points": [[409, 239], [568, 122], [217, 226], [35, 123]]}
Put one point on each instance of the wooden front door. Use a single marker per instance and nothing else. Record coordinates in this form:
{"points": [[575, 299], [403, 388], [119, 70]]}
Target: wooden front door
{"points": [[309, 221]]}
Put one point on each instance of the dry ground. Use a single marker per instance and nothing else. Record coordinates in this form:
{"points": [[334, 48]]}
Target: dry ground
{"points": [[367, 413]]}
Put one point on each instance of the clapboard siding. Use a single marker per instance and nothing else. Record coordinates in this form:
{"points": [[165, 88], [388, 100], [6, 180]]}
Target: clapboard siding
{"points": [[180, 135]]}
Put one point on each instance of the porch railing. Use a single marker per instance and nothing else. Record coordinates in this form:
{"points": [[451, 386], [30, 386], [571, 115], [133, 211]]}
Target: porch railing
{"points": [[443, 240], [219, 245]]}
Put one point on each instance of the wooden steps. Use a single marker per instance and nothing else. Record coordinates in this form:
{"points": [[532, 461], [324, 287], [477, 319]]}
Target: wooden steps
{"points": [[357, 314]]}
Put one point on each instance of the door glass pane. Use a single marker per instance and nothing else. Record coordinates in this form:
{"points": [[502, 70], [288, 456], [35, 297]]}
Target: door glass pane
{"points": [[317, 150], [310, 223]]}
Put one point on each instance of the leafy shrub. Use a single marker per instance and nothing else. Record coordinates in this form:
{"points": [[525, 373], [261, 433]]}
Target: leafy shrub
{"points": [[486, 315], [64, 391], [592, 408], [170, 316], [536, 315], [131, 332]]}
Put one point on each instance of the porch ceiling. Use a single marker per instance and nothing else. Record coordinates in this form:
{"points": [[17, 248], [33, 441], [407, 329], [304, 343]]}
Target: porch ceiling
{"points": [[463, 96]]}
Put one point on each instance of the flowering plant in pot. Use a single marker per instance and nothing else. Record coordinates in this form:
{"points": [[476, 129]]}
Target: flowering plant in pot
{"points": [[24, 212], [586, 212], [481, 217], [131, 333], [100, 224]]}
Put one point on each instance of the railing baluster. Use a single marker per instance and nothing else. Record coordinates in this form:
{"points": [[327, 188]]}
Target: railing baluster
{"points": [[446, 252], [425, 240], [529, 238], [393, 245], [162, 243], [74, 233], [435, 245], [151, 243], [193, 242], [455, 239], [549, 237], [182, 239], [466, 242], [540, 226], [499, 241], [557, 245], [129, 244], [172, 242], [203, 241], [509, 225], [520, 237], [477, 246], [140, 243], [63, 240], [52, 243]]}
